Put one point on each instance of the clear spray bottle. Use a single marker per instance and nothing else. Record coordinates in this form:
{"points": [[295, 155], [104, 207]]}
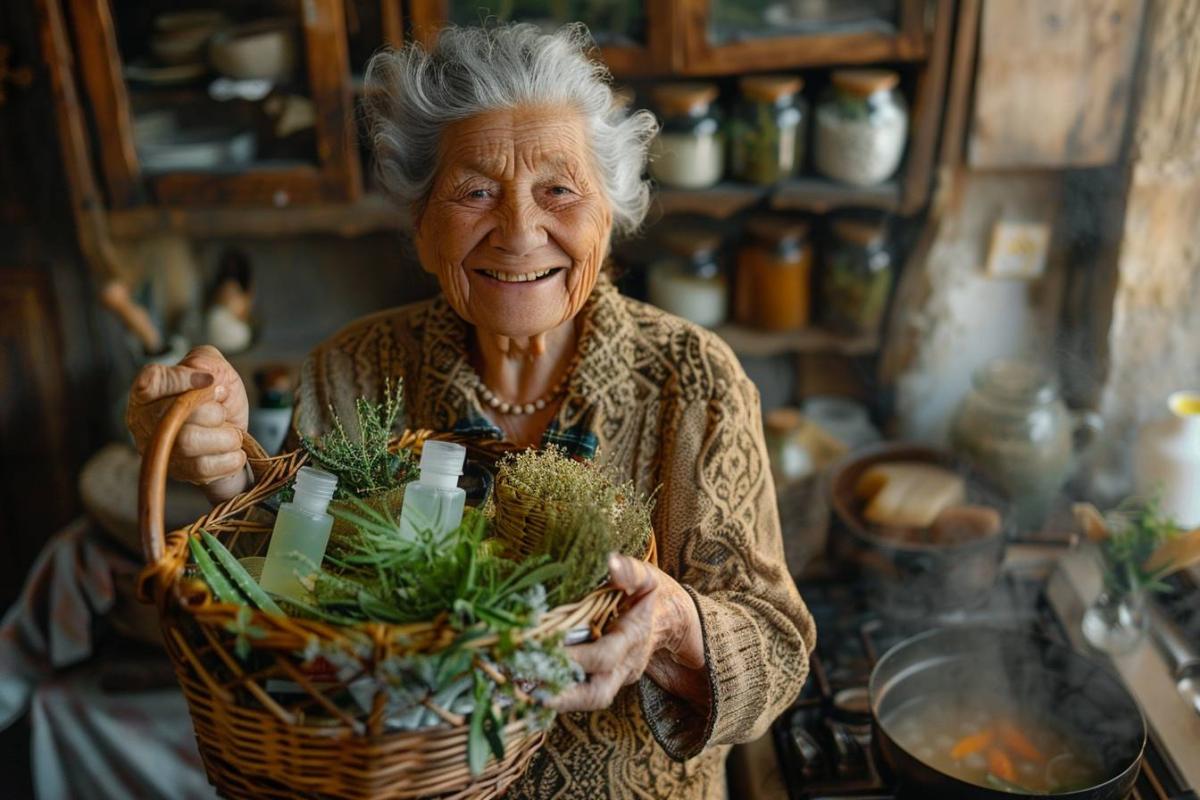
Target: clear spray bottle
{"points": [[434, 502], [300, 536]]}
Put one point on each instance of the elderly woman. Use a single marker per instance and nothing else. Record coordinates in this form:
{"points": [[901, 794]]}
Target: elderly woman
{"points": [[518, 168]]}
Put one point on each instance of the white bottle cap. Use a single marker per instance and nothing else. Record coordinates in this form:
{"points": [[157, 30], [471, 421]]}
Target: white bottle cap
{"points": [[442, 463], [314, 489]]}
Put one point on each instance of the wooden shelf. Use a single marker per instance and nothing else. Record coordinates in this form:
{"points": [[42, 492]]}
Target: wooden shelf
{"points": [[820, 195], [720, 202], [372, 213], [750, 342], [817, 195]]}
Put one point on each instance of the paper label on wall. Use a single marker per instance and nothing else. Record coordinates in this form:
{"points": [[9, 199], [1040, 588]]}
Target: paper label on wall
{"points": [[1018, 250]]}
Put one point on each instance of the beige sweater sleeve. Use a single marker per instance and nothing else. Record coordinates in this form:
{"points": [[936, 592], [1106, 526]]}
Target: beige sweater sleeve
{"points": [[719, 528]]}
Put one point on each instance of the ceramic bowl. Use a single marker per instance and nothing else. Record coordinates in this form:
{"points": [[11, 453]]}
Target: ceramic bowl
{"points": [[182, 37], [260, 50]]}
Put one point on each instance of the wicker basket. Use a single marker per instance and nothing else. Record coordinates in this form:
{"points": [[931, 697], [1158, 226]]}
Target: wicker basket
{"points": [[255, 745]]}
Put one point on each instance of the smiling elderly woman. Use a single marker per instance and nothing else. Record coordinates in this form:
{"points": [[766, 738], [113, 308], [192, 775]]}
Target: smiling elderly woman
{"points": [[518, 167]]}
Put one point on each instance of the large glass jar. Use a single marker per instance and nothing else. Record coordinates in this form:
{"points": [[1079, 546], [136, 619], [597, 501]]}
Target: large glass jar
{"points": [[689, 282], [856, 276], [1014, 429], [766, 133], [688, 151], [774, 267], [861, 127]]}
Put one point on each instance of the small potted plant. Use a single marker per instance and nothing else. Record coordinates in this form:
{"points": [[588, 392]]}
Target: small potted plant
{"points": [[1138, 546]]}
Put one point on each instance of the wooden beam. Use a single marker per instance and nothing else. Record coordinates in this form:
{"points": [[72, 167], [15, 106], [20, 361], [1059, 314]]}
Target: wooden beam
{"points": [[100, 68], [927, 112], [86, 201]]}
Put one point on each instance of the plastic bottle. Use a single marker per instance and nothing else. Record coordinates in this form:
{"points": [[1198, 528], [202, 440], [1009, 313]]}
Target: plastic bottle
{"points": [[300, 536], [434, 502]]}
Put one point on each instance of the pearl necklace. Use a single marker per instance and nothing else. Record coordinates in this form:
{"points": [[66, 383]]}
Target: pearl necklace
{"points": [[504, 407]]}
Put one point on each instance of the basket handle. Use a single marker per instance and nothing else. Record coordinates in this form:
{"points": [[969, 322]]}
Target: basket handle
{"points": [[152, 481]]}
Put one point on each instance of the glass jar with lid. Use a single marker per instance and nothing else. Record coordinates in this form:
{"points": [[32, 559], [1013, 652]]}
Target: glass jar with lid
{"points": [[1015, 429], [688, 151], [766, 139], [689, 281], [774, 268], [856, 276], [861, 127]]}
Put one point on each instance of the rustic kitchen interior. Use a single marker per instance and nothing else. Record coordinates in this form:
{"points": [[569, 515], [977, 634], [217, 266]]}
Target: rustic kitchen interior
{"points": [[951, 243]]}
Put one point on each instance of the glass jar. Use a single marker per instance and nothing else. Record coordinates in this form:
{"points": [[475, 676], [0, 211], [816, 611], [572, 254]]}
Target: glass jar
{"points": [[861, 127], [1014, 429], [1116, 621], [766, 134], [774, 267], [790, 460], [688, 151], [856, 277], [689, 282]]}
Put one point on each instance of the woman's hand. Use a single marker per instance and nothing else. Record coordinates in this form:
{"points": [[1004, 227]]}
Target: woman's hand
{"points": [[208, 451], [657, 634]]}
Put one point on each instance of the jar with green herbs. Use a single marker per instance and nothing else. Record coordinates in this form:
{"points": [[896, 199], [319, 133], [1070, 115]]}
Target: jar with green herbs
{"points": [[861, 127], [856, 277], [766, 140], [689, 281], [688, 152], [774, 267]]}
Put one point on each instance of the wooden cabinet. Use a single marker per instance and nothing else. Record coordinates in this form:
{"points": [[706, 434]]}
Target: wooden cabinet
{"points": [[133, 97]]}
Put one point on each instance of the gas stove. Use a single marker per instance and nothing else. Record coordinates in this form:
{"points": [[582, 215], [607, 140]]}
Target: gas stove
{"points": [[823, 742]]}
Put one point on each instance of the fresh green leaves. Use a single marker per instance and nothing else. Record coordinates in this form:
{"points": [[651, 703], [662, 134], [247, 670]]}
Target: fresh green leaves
{"points": [[362, 461], [230, 583], [1136, 529]]}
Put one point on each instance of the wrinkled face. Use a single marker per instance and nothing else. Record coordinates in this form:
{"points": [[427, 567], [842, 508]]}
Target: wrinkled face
{"points": [[517, 225]]}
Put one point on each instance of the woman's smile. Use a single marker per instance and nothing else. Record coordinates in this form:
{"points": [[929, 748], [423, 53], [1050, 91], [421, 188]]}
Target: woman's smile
{"points": [[510, 278]]}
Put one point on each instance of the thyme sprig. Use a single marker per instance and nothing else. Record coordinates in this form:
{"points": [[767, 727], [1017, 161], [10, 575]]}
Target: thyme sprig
{"points": [[361, 460]]}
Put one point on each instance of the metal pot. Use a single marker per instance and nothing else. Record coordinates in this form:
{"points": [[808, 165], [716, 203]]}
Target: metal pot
{"points": [[913, 579], [1029, 674]]}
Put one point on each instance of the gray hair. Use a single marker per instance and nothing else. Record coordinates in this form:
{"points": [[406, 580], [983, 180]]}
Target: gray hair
{"points": [[411, 95]]}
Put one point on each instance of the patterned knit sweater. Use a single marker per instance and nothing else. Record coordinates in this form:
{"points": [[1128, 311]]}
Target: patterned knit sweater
{"points": [[668, 404]]}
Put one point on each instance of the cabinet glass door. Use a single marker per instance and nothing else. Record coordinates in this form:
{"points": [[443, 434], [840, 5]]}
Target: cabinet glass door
{"points": [[635, 38], [237, 103], [741, 20], [732, 36]]}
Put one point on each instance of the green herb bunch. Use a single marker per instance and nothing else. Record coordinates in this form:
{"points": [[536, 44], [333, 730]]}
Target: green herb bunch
{"points": [[591, 513], [363, 463], [375, 573], [1136, 528]]}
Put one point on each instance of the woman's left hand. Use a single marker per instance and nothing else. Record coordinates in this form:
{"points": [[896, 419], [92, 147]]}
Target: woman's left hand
{"points": [[657, 634]]}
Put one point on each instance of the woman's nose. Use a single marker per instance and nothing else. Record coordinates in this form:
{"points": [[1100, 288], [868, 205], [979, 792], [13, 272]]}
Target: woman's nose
{"points": [[519, 230]]}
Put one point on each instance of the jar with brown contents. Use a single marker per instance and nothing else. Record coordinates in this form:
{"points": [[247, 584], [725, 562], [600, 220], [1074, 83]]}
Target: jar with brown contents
{"points": [[773, 272]]}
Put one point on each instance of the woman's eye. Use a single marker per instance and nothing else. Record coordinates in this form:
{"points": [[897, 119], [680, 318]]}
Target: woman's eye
{"points": [[560, 191], [479, 194]]}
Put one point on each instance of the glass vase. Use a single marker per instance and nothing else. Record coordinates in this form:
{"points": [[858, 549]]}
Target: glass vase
{"points": [[1116, 620]]}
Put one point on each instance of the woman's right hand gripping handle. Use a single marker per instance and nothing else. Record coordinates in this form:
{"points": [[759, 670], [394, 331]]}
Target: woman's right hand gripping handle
{"points": [[208, 451]]}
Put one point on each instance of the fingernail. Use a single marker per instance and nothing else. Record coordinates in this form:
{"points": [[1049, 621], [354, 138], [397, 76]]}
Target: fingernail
{"points": [[220, 392], [201, 380]]}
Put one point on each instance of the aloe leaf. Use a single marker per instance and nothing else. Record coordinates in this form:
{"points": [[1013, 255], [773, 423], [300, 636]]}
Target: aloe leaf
{"points": [[222, 589], [244, 581]]}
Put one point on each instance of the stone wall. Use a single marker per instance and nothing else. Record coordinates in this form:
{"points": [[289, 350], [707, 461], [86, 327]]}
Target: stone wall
{"points": [[1154, 339]]}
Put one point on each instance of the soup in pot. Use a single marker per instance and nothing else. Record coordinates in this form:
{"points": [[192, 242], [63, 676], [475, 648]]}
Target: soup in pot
{"points": [[995, 748]]}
